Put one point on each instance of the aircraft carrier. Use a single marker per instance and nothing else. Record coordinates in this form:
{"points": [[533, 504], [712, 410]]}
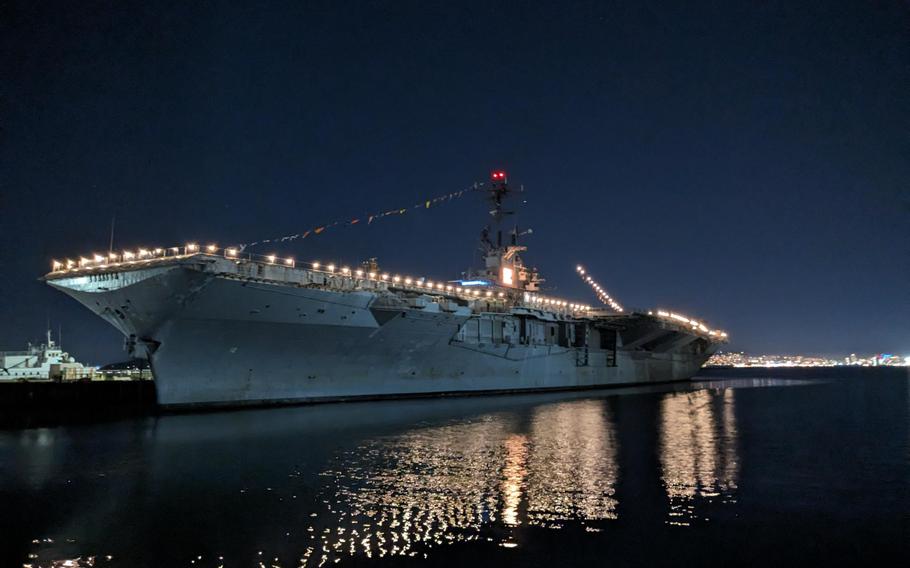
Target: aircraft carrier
{"points": [[222, 326]]}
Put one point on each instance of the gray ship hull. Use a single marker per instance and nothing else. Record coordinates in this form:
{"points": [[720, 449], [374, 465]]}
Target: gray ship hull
{"points": [[215, 336]]}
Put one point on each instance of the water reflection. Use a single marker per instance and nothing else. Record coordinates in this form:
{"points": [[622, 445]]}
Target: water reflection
{"points": [[402, 495], [573, 467], [317, 485], [698, 450], [427, 486], [514, 475]]}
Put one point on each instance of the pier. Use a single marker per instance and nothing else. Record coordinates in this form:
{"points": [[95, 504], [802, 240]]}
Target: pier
{"points": [[37, 403]]}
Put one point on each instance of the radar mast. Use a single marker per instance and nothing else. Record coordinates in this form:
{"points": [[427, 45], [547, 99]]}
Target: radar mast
{"points": [[502, 263]]}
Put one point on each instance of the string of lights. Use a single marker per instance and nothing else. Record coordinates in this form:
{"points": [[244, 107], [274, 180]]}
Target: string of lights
{"points": [[367, 218], [149, 256], [142, 257], [690, 322], [601, 293]]}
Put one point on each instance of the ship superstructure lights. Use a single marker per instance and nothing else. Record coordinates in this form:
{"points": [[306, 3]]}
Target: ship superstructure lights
{"points": [[289, 262], [192, 247], [230, 252], [601, 293], [474, 283]]}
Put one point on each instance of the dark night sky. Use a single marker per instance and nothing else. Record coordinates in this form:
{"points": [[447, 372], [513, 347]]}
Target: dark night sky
{"points": [[745, 162]]}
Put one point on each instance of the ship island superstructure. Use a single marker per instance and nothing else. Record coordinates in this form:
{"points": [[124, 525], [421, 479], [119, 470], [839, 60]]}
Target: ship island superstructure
{"points": [[222, 326]]}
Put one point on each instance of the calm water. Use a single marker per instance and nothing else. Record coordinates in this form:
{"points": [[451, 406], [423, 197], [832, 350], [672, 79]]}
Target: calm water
{"points": [[766, 470]]}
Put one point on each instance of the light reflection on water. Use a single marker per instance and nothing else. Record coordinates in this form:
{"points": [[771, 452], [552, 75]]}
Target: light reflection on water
{"points": [[698, 455], [572, 465], [403, 494], [395, 488], [410, 492]]}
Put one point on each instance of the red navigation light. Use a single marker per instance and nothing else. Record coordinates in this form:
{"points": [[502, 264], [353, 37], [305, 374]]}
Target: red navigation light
{"points": [[499, 176]]}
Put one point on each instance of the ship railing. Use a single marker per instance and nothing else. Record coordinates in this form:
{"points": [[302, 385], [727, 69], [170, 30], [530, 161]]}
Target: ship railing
{"points": [[16, 353], [143, 256], [146, 256]]}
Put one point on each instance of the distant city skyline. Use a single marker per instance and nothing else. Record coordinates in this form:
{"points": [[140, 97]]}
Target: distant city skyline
{"points": [[743, 359]]}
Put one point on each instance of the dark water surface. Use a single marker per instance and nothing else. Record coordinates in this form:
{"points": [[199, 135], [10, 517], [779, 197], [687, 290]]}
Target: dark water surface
{"points": [[721, 471]]}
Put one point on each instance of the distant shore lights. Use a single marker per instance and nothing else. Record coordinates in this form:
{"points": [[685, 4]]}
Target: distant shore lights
{"points": [[602, 294]]}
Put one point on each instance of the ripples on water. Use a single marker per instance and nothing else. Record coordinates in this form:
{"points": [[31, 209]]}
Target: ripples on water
{"points": [[401, 495], [384, 480]]}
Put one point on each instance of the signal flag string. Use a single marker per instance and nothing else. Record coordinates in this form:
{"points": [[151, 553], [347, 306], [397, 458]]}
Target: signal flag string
{"points": [[602, 294], [368, 218]]}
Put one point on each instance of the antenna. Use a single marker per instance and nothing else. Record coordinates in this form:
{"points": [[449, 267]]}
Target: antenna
{"points": [[496, 193], [110, 248]]}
